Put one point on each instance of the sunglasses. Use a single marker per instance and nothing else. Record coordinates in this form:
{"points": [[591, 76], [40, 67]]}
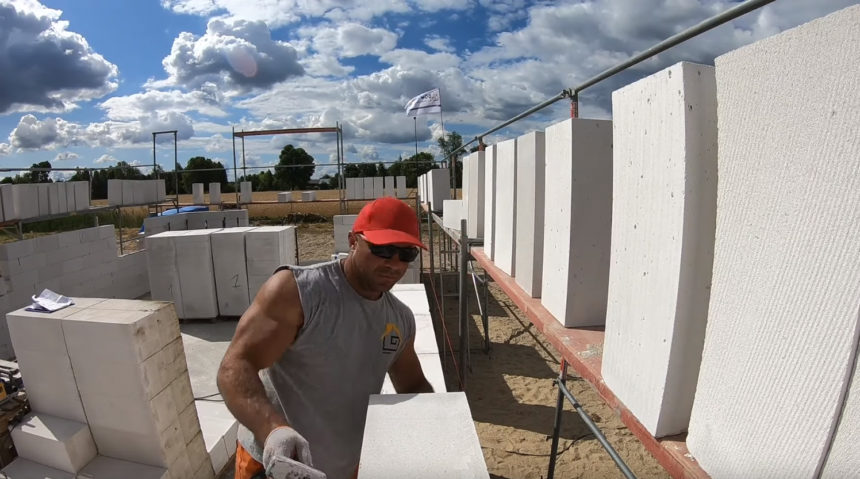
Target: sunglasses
{"points": [[407, 254]]}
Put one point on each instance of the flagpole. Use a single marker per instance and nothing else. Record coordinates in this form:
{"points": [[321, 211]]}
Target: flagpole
{"points": [[415, 120], [451, 161]]}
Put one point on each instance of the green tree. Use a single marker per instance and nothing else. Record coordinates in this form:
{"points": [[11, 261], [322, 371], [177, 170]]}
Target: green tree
{"points": [[448, 144], [296, 168], [213, 172], [415, 166]]}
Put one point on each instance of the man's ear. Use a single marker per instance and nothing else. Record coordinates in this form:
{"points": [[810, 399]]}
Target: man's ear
{"points": [[352, 240]]}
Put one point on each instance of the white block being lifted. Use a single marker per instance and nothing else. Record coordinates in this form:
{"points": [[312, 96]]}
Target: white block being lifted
{"points": [[197, 193], [55, 442], [489, 199], [378, 186], [401, 186], [663, 214], [577, 221], [267, 248], [452, 213], [367, 188], [245, 194], [505, 236], [389, 188], [447, 447], [783, 312], [231, 277], [531, 174], [473, 193], [214, 193], [438, 187]]}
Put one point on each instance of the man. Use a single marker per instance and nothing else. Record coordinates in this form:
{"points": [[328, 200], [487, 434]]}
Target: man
{"points": [[321, 338]]}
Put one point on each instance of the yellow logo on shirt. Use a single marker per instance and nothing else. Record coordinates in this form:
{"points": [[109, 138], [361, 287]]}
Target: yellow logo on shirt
{"points": [[390, 338]]}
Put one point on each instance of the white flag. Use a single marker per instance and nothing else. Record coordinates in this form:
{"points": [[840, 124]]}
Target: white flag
{"points": [[425, 103]]}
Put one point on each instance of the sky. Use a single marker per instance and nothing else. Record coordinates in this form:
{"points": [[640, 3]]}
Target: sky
{"points": [[85, 83]]}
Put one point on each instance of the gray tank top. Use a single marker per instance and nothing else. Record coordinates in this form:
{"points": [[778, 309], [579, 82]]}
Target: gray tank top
{"points": [[340, 357]]}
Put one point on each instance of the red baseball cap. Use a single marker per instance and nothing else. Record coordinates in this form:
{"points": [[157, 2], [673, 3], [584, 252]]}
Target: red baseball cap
{"points": [[388, 221]]}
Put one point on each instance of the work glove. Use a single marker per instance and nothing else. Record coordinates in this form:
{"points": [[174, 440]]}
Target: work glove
{"points": [[285, 442]]}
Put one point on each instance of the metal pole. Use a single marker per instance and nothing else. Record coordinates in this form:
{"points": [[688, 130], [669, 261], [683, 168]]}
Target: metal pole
{"points": [[556, 425], [235, 169], [415, 122], [153, 156], [432, 246], [420, 256], [244, 171], [175, 163], [464, 324]]}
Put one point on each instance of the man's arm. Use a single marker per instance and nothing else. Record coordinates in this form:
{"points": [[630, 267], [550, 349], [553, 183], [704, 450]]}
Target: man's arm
{"points": [[406, 373], [264, 332]]}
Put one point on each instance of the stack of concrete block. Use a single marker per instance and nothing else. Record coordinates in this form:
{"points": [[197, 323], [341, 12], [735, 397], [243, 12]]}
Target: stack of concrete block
{"points": [[663, 214], [389, 188], [782, 333], [24, 201], [342, 227], [449, 443], [489, 199], [452, 213], [195, 220], [181, 270], [219, 429], [231, 275], [204, 220], [438, 187], [285, 196], [235, 218], [577, 221], [129, 277], [113, 376], [214, 193], [367, 188], [401, 186], [245, 195], [473, 194], [267, 248], [505, 223], [7, 203], [309, 195], [378, 186], [134, 192], [197, 193], [352, 189], [531, 175]]}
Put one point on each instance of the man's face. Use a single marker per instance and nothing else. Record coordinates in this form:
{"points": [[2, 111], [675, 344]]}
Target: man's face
{"points": [[377, 273]]}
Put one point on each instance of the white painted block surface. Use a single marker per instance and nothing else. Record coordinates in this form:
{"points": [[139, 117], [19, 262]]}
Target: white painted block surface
{"points": [[231, 277], [401, 186], [55, 442], [53, 198], [196, 274], [378, 186], [505, 235], [368, 188], [234, 218], [267, 248], [342, 227], [114, 192], [82, 195], [350, 188], [285, 196], [127, 192], [389, 187], [309, 195], [438, 187], [214, 193], [61, 196], [103, 467], [26, 200], [447, 447], [663, 214], [7, 203], [197, 193], [531, 175], [489, 199], [43, 190], [162, 266], [245, 195], [70, 196], [783, 311], [473, 193], [21, 468], [452, 213], [577, 221]]}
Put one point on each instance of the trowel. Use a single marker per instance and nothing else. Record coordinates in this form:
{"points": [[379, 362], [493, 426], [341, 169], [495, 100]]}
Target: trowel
{"points": [[286, 468]]}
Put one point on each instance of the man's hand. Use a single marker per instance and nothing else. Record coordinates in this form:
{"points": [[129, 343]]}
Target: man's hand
{"points": [[284, 441]]}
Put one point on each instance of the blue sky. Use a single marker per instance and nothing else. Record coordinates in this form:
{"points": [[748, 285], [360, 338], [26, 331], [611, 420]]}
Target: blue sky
{"points": [[84, 83]]}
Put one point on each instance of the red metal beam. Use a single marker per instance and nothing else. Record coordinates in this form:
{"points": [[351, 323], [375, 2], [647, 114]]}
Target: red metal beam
{"points": [[324, 129]]}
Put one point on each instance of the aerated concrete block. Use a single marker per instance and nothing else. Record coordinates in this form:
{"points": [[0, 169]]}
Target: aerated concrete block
{"points": [[267, 248], [663, 214], [473, 193], [784, 296], [103, 467], [352, 189], [235, 218], [231, 277], [439, 187], [577, 221], [127, 192], [196, 274], [214, 193], [197, 193], [452, 213], [43, 190], [368, 188], [489, 200], [388, 186], [378, 186], [55, 442], [61, 196], [309, 195], [505, 235], [21, 468], [163, 272], [156, 224], [448, 445], [401, 186], [70, 196], [26, 200], [285, 196], [160, 190], [82, 195], [245, 195], [531, 175], [53, 198]]}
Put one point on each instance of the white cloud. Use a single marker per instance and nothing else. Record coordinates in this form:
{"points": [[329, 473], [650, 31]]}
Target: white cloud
{"points": [[106, 158], [236, 56], [442, 44], [45, 67], [207, 100], [348, 40], [66, 155]]}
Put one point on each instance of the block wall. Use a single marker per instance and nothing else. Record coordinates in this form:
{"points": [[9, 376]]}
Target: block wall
{"points": [[504, 237], [489, 199]]}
